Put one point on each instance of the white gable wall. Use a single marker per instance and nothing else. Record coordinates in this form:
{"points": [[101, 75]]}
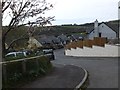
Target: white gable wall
{"points": [[105, 32]]}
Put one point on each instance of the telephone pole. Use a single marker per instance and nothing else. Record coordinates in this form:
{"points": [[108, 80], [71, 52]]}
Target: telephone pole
{"points": [[119, 20], [0, 44]]}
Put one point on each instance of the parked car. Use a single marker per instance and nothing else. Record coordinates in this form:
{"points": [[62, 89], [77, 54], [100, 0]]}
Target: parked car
{"points": [[15, 54], [47, 52]]}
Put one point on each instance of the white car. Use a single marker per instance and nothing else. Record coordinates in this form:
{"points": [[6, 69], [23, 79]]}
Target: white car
{"points": [[15, 54]]}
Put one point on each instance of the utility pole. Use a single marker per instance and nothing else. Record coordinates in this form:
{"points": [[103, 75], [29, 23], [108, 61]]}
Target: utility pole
{"points": [[2, 67], [0, 44], [119, 20]]}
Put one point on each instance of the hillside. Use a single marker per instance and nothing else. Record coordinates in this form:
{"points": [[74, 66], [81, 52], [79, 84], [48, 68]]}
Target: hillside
{"points": [[53, 30], [58, 30]]}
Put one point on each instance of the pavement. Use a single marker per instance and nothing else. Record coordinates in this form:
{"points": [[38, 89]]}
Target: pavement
{"points": [[67, 76]]}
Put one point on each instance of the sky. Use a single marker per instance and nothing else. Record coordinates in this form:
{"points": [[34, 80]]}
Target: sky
{"points": [[82, 11]]}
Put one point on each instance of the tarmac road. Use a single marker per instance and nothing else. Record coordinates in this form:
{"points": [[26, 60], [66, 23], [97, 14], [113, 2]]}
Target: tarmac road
{"points": [[103, 71], [67, 77]]}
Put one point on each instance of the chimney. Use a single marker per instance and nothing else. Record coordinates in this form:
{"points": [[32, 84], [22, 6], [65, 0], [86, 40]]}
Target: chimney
{"points": [[96, 32]]}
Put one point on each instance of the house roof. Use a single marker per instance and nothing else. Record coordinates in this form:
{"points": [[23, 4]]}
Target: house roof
{"points": [[47, 39], [77, 36], [114, 25], [63, 37]]}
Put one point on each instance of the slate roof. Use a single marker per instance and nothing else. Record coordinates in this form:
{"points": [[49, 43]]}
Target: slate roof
{"points": [[47, 39], [63, 37], [114, 25], [78, 36]]}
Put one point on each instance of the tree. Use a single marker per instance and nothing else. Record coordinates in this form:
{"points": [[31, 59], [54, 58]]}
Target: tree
{"points": [[20, 12]]}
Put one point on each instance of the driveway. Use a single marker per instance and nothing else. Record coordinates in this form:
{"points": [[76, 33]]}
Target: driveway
{"points": [[103, 71]]}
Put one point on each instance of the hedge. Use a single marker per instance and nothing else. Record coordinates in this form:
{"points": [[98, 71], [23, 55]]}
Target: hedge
{"points": [[24, 71]]}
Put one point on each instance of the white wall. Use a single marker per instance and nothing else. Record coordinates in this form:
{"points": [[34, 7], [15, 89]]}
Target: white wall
{"points": [[96, 51], [106, 31]]}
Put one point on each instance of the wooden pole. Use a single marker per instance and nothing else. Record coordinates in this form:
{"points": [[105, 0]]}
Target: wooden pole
{"points": [[24, 66], [37, 64], [119, 21], [0, 44]]}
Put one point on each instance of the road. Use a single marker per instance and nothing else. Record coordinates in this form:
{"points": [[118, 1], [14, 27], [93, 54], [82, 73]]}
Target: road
{"points": [[67, 76], [103, 71]]}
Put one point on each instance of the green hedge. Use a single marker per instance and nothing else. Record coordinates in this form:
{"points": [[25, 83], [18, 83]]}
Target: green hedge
{"points": [[16, 73]]}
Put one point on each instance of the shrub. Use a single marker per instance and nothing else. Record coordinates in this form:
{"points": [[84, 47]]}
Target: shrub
{"points": [[24, 71]]}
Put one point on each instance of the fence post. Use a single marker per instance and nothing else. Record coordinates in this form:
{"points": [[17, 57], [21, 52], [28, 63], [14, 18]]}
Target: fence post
{"points": [[4, 73], [37, 63], [24, 66]]}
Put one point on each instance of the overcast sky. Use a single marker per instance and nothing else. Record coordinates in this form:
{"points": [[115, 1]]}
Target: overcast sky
{"points": [[83, 11]]}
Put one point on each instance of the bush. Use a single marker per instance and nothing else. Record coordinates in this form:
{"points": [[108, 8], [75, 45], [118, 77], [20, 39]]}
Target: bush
{"points": [[24, 71]]}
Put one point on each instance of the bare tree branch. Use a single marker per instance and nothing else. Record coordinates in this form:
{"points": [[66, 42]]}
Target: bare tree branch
{"points": [[3, 4], [21, 11]]}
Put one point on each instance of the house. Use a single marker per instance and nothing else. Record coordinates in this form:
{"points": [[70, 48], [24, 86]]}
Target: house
{"points": [[105, 29], [49, 41], [33, 43], [64, 39]]}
